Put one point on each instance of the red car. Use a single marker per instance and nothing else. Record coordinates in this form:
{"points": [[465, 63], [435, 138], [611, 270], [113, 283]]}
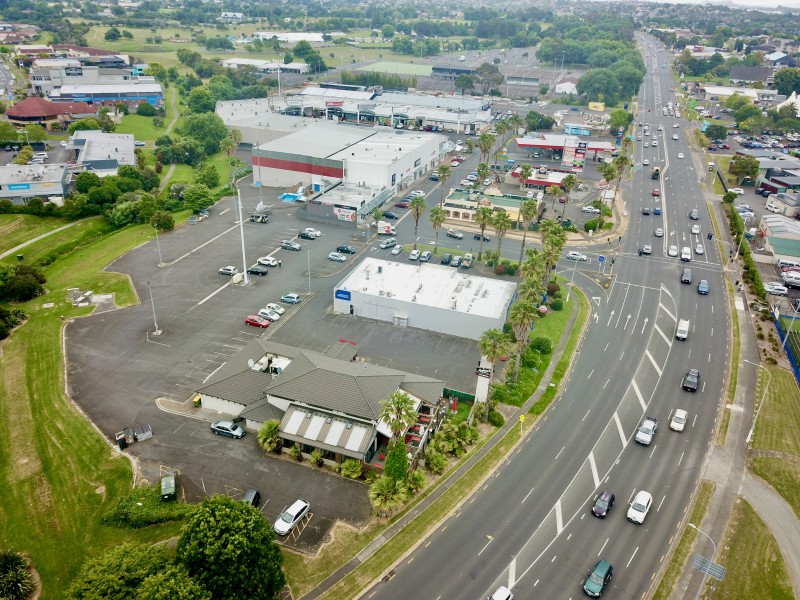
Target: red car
{"points": [[656, 192], [256, 321], [403, 204]]}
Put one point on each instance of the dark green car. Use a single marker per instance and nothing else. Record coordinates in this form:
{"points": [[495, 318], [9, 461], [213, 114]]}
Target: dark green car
{"points": [[598, 578]]}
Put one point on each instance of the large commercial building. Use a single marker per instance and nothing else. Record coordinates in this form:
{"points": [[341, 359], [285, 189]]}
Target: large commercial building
{"points": [[19, 183], [132, 92], [265, 66], [103, 153], [425, 296], [49, 74]]}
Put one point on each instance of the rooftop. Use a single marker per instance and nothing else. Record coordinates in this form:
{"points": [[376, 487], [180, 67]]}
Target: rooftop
{"points": [[112, 88], [431, 285], [385, 146], [100, 146], [33, 107], [321, 139], [30, 173], [780, 225]]}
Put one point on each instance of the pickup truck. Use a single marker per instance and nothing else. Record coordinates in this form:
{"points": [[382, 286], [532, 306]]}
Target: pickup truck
{"points": [[682, 330], [647, 430]]}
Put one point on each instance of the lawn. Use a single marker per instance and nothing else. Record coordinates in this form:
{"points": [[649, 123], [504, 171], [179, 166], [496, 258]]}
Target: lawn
{"points": [[60, 476], [778, 433], [755, 567], [33, 251], [17, 229]]}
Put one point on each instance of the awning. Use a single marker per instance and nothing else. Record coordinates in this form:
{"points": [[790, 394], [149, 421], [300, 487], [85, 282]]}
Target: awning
{"points": [[327, 431]]}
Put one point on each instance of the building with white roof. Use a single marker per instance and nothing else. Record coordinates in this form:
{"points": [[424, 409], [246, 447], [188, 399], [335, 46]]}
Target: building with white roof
{"points": [[49, 74], [103, 153], [133, 92], [722, 92], [425, 296], [265, 66], [19, 183], [291, 37]]}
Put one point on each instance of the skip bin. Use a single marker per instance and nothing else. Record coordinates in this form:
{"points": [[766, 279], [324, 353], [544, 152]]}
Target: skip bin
{"points": [[168, 489]]}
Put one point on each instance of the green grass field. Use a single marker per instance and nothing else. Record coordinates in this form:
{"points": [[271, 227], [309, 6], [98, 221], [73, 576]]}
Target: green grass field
{"points": [[17, 229], [398, 68], [58, 475]]}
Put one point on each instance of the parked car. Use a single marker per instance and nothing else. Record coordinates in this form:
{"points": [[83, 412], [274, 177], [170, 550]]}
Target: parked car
{"points": [[306, 235], [290, 517], [260, 270], [290, 245], [392, 216], [640, 507], [276, 308], [417, 194], [268, 261], [466, 183], [345, 249], [229, 270], [396, 250], [388, 243], [591, 210], [425, 256], [252, 497], [738, 191], [402, 204], [337, 257], [776, 289], [291, 298], [228, 428], [446, 259], [456, 262], [454, 233], [256, 321], [434, 177], [315, 232], [603, 504], [414, 255], [691, 380], [269, 315]]}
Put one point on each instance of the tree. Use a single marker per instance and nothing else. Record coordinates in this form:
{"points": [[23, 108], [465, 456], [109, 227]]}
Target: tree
{"points": [[302, 49], [8, 132], [747, 112], [501, 223], [398, 412], [229, 548], [553, 240], [488, 76], [528, 211], [485, 143], [501, 128], [197, 197], [787, 81], [387, 495], [162, 220], [377, 215], [16, 573], [568, 184], [482, 171], [554, 192], [112, 34], [464, 82], [525, 173], [483, 218], [493, 344], [145, 109], [208, 175], [533, 271], [117, 573], [36, 133], [24, 156], [268, 436], [396, 465], [437, 217], [716, 132], [85, 124], [521, 317], [87, 181], [619, 118], [744, 167], [536, 121], [444, 172], [416, 207], [173, 583], [201, 101], [208, 129]]}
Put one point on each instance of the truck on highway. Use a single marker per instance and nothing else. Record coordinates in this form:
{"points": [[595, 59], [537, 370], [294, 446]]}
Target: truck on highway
{"points": [[655, 173], [682, 330], [647, 430]]}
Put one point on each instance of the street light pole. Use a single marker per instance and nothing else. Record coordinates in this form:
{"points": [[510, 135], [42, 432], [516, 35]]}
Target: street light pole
{"points": [[763, 397], [705, 571], [241, 231], [153, 305], [571, 279], [739, 247], [308, 260], [158, 245]]}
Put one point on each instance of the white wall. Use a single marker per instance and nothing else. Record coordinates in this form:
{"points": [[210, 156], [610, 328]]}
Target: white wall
{"points": [[221, 406]]}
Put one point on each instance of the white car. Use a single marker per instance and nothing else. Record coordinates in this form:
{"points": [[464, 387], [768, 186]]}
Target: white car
{"points": [[312, 231], [337, 257], [695, 229], [268, 261], [699, 250], [680, 154], [640, 507], [276, 308], [62, 143], [414, 255], [647, 249], [291, 517], [772, 207], [672, 251], [269, 315], [658, 232], [591, 210], [655, 143], [417, 194], [572, 255], [738, 191], [646, 144], [229, 270], [396, 250], [646, 162], [678, 421], [776, 289], [455, 163], [686, 254], [488, 181], [466, 183], [675, 126]]}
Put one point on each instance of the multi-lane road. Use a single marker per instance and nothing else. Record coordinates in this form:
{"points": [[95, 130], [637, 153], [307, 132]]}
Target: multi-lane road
{"points": [[529, 527]]}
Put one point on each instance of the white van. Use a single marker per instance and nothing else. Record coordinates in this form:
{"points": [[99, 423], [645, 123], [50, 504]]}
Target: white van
{"points": [[711, 166], [785, 262]]}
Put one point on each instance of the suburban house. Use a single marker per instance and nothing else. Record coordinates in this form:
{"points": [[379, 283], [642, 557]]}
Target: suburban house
{"points": [[741, 74], [329, 401], [231, 17]]}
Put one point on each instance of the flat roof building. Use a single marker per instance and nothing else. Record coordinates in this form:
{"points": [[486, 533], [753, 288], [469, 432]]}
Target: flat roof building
{"points": [[425, 296], [103, 153], [120, 92], [19, 183]]}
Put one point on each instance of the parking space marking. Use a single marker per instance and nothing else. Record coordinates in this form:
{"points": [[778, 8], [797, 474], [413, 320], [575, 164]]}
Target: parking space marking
{"points": [[559, 518]]}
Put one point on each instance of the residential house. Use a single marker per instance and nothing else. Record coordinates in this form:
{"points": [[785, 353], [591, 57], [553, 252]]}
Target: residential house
{"points": [[741, 74]]}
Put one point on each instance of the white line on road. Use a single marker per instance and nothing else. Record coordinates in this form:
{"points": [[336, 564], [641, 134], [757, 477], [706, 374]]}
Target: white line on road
{"points": [[661, 333], [224, 211], [603, 547], [593, 467], [680, 460], [491, 539], [664, 308], [586, 415], [512, 573], [607, 345], [660, 503], [653, 362], [559, 518], [694, 421], [621, 355], [560, 451], [590, 374], [212, 294], [607, 382], [632, 555], [526, 496], [619, 428], [638, 394]]}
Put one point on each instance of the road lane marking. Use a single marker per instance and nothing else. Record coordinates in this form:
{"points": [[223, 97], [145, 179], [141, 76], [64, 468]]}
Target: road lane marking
{"points": [[680, 460], [212, 294], [603, 547], [512, 573], [491, 539], [586, 415], [593, 467], [619, 428], [590, 374], [559, 518], [560, 451], [632, 555], [664, 308], [660, 503], [653, 362], [526, 496], [661, 333], [638, 395], [607, 382]]}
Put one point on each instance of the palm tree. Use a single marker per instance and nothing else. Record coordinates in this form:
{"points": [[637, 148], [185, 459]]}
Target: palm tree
{"points": [[470, 146], [525, 173], [417, 206], [227, 147], [527, 213], [553, 191], [444, 172], [533, 268], [376, 215], [620, 162], [387, 495], [501, 224], [485, 143], [493, 344], [553, 239], [608, 171], [236, 138], [398, 412], [501, 128], [483, 218], [483, 171], [437, 217], [568, 184], [521, 317], [515, 122]]}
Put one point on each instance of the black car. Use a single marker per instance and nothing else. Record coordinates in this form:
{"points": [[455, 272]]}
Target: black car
{"points": [[694, 215], [477, 236], [305, 235], [603, 504], [645, 211], [691, 380], [258, 270], [391, 215], [686, 276], [446, 259], [434, 177], [345, 249], [456, 262]]}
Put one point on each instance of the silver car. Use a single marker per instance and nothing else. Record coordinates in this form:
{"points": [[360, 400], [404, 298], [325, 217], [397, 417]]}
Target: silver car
{"points": [[291, 517]]}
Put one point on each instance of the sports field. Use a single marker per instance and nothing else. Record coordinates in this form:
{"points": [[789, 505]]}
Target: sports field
{"points": [[397, 68]]}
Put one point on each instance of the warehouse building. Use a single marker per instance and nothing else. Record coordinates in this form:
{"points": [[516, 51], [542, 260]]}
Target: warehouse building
{"points": [[48, 74], [19, 183], [425, 296], [131, 92], [103, 153]]}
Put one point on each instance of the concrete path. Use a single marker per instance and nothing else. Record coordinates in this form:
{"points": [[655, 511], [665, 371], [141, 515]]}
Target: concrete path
{"points": [[36, 239], [175, 116]]}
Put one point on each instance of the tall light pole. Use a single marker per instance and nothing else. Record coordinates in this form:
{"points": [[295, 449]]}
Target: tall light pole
{"points": [[571, 279], [152, 304], [158, 245], [308, 259], [705, 571], [744, 231], [241, 231], [763, 396]]}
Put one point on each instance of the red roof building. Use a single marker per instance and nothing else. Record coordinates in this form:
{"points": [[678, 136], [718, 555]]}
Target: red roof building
{"points": [[46, 113]]}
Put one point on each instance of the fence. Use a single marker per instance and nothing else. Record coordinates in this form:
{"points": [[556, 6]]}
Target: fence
{"points": [[793, 345]]}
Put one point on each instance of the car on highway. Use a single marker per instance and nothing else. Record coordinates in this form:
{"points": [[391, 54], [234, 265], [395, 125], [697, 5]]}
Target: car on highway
{"points": [[306, 235], [678, 420], [646, 161], [686, 254], [640, 507], [699, 249], [337, 257], [675, 125], [290, 517], [691, 380], [269, 315], [345, 249], [672, 251], [256, 321], [228, 428], [502, 593], [573, 255], [603, 504], [658, 232], [598, 578], [686, 276], [646, 210], [646, 144], [656, 192], [702, 287], [267, 261], [229, 270], [591, 210], [737, 191], [647, 249], [402, 204], [455, 163], [392, 216], [654, 143], [646, 431], [694, 214], [276, 308], [680, 154], [477, 237], [291, 298], [454, 233], [396, 250], [388, 243], [290, 245], [259, 270], [776, 289], [414, 255], [695, 229]]}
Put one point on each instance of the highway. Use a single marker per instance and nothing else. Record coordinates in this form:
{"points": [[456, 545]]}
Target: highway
{"points": [[529, 527]]}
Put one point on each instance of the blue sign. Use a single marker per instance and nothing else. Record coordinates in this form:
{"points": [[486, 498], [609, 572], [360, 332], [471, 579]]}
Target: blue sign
{"points": [[18, 186], [342, 295], [601, 259]]}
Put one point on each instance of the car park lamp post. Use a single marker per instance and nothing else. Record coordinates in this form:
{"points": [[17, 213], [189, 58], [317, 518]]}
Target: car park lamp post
{"points": [[705, 571], [744, 230], [155, 321], [763, 396], [241, 230], [158, 245]]}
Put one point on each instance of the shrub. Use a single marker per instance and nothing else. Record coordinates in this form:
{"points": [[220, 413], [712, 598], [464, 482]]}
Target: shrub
{"points": [[512, 269], [316, 457], [387, 495], [590, 225], [557, 304], [499, 269], [351, 468], [552, 288], [145, 109], [435, 460], [542, 344], [143, 507], [296, 453], [495, 418], [396, 465], [16, 575], [268, 436], [416, 481]]}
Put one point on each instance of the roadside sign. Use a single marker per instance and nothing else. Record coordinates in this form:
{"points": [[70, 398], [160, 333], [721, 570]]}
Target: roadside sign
{"points": [[601, 258]]}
